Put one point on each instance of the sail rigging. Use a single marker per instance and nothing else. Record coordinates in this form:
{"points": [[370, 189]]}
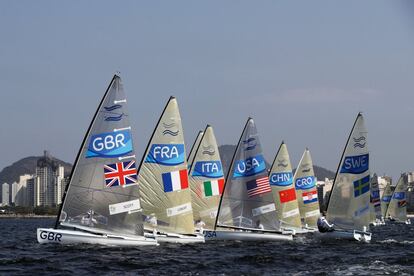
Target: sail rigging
{"points": [[306, 192], [375, 202], [281, 181], [163, 176], [386, 198], [247, 201], [193, 149], [206, 179], [348, 205], [102, 194], [397, 208]]}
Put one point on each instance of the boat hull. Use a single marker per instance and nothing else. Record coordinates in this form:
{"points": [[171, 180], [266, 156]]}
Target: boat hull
{"points": [[63, 236], [176, 238], [245, 236], [346, 235]]}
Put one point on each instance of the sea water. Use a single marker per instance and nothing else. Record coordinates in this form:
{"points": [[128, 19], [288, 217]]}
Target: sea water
{"points": [[390, 252]]}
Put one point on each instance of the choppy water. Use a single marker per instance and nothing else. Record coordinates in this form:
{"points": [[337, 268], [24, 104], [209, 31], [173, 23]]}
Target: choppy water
{"points": [[390, 252]]}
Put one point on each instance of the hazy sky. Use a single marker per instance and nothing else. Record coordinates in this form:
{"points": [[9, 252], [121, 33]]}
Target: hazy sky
{"points": [[301, 69]]}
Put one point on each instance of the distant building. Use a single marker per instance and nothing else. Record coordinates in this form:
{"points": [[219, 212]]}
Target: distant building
{"points": [[19, 194], [48, 182], [382, 183], [30, 192], [5, 194], [323, 188]]}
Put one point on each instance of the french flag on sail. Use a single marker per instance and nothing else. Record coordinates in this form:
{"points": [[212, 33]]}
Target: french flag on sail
{"points": [[175, 181]]}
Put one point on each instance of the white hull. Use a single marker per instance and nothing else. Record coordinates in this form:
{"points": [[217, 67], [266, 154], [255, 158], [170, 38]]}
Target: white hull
{"points": [[300, 231], [176, 238], [347, 235], [394, 221], [50, 235], [245, 236]]}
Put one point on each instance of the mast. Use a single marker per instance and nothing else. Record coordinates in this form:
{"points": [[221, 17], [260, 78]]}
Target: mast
{"points": [[81, 147], [200, 132], [340, 161]]}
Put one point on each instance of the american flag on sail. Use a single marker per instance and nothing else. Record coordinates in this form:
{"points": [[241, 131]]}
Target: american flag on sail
{"points": [[258, 186], [120, 174]]}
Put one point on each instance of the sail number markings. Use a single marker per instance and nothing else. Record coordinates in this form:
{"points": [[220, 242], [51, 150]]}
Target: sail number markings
{"points": [[166, 154], [110, 144], [355, 164]]}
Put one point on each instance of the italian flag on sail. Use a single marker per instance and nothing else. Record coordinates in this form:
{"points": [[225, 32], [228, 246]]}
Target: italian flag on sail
{"points": [[213, 187]]}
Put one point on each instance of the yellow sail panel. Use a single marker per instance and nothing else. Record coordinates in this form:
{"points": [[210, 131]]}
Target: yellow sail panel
{"points": [[281, 181], [206, 180], [163, 175], [306, 192]]}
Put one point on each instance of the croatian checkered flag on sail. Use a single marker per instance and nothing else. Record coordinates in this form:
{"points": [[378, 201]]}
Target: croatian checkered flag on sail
{"points": [[120, 174]]}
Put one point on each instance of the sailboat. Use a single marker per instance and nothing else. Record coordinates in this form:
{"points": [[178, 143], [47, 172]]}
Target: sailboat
{"points": [[375, 203], [163, 181], [397, 209], [247, 210], [193, 149], [348, 204], [386, 198], [306, 192], [283, 189], [206, 181], [101, 202]]}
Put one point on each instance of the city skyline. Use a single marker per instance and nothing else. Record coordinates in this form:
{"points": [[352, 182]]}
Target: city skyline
{"points": [[302, 72]]}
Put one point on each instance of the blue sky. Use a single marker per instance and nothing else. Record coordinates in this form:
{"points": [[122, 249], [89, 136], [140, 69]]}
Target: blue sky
{"points": [[301, 69]]}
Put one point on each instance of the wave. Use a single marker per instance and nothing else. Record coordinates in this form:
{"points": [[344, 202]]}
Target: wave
{"points": [[356, 140], [306, 170], [169, 125], [169, 132], [112, 107], [209, 152]]}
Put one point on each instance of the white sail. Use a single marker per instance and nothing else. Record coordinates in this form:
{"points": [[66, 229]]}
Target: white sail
{"points": [[306, 192], [102, 195], [193, 149], [348, 205], [386, 199], [375, 202], [397, 208], [281, 181], [163, 176], [247, 201], [206, 179]]}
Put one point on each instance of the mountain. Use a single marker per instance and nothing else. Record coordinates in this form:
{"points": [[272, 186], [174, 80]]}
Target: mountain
{"points": [[227, 151], [27, 165]]}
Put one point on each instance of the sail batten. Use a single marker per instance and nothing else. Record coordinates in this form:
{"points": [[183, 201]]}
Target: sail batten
{"points": [[99, 181], [247, 201], [348, 206]]}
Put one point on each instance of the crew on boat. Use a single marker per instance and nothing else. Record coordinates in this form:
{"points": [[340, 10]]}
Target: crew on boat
{"points": [[259, 225], [152, 221], [200, 225], [324, 226]]}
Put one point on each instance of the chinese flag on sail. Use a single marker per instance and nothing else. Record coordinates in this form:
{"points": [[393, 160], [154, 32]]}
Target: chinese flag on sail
{"points": [[287, 195]]}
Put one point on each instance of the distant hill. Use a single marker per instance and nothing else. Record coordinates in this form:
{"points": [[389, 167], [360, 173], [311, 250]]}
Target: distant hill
{"points": [[27, 165], [227, 151]]}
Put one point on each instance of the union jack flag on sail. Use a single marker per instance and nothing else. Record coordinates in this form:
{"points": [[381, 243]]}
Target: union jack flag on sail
{"points": [[120, 174]]}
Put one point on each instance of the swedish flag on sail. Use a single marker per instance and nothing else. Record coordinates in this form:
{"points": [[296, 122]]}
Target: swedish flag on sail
{"points": [[361, 186]]}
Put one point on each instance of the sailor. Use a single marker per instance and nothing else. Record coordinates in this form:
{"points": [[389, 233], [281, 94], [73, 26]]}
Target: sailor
{"points": [[200, 225], [259, 225], [152, 221], [324, 226]]}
